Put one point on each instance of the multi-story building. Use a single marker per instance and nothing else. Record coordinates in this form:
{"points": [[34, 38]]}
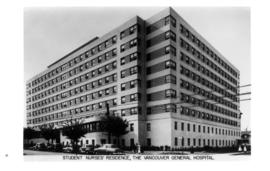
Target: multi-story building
{"points": [[159, 74]]}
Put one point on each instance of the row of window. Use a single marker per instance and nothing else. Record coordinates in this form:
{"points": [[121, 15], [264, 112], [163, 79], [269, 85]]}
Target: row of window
{"points": [[130, 84], [130, 44], [207, 94], [161, 95], [79, 100], [130, 98], [201, 142], [169, 20], [130, 71], [86, 87], [160, 38], [161, 66], [161, 109], [202, 69], [92, 74], [161, 80], [129, 58], [206, 49], [72, 62], [131, 111], [98, 60], [207, 116], [197, 78], [202, 103], [208, 62], [76, 111], [206, 129], [161, 52], [129, 31]]}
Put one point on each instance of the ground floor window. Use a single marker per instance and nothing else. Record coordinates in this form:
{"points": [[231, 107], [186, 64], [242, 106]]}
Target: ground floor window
{"points": [[132, 142], [123, 142], [148, 142]]}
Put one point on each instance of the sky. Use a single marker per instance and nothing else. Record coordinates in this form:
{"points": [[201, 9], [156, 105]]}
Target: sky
{"points": [[51, 33]]}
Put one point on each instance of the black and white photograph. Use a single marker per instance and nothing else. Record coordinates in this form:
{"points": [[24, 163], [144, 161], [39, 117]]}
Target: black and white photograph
{"points": [[134, 85], [137, 83]]}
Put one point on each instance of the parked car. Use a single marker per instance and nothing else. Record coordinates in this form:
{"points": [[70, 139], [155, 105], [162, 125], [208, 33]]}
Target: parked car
{"points": [[88, 149], [108, 149], [39, 146], [49, 147], [68, 149]]}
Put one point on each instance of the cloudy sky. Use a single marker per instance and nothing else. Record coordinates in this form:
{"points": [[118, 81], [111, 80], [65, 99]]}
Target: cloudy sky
{"points": [[51, 33]]}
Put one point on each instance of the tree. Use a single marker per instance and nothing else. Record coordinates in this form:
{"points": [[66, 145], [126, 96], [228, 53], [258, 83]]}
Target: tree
{"points": [[73, 130], [114, 125], [49, 132], [29, 133]]}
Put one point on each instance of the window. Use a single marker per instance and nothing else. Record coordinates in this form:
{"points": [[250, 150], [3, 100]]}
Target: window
{"points": [[194, 128], [167, 35], [148, 126], [131, 127], [188, 127], [123, 99], [133, 43], [133, 83], [107, 91], [123, 86], [123, 73], [114, 39], [114, 64], [122, 48], [167, 49], [170, 93], [133, 97], [170, 79], [122, 34], [114, 52], [107, 68], [182, 126], [107, 79], [170, 108], [170, 20], [170, 64], [133, 56], [176, 141], [170, 35], [133, 70], [99, 70], [114, 89], [132, 29], [123, 61], [148, 142], [175, 125], [134, 110], [123, 112], [114, 102], [100, 82]]}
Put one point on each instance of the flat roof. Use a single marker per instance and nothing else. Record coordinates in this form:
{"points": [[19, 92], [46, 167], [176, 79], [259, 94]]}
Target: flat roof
{"points": [[87, 43]]}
